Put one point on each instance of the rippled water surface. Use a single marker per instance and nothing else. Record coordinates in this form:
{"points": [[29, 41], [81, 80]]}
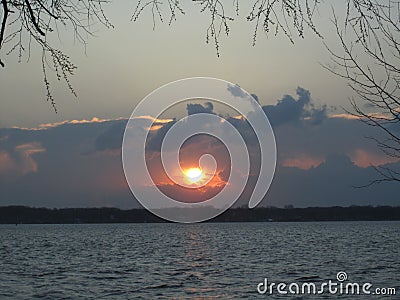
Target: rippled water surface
{"points": [[200, 261]]}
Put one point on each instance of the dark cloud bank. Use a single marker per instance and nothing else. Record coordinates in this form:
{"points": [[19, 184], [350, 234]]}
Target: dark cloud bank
{"points": [[320, 160]]}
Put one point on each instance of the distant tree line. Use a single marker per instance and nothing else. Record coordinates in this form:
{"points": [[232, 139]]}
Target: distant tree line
{"points": [[30, 215]]}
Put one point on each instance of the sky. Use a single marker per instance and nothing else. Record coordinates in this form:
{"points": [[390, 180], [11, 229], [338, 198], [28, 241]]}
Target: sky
{"points": [[321, 160], [122, 65], [73, 158]]}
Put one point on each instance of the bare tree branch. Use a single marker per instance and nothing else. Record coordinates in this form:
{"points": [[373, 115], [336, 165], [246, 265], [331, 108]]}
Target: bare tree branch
{"points": [[3, 25], [287, 16], [31, 21], [33, 18], [370, 64]]}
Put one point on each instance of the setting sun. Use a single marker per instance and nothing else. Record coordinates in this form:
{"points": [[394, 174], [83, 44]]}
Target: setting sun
{"points": [[194, 174]]}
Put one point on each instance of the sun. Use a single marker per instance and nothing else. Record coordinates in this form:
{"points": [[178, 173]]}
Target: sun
{"points": [[194, 174]]}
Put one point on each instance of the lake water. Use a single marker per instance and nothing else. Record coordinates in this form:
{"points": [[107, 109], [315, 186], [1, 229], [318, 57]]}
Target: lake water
{"points": [[198, 261]]}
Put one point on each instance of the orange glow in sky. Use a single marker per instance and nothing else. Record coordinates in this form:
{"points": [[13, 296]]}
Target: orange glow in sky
{"points": [[194, 174]]}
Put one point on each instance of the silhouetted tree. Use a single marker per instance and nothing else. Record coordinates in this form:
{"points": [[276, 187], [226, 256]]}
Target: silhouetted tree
{"points": [[287, 16], [370, 63], [25, 22]]}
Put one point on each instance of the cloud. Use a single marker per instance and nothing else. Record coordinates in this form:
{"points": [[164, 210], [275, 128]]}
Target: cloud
{"points": [[344, 116], [156, 137], [158, 133], [292, 110], [154, 120], [59, 167], [334, 135], [318, 115], [198, 108], [366, 158], [26, 152], [255, 97], [111, 138], [7, 165], [19, 161], [44, 126], [303, 161], [69, 164], [236, 90]]}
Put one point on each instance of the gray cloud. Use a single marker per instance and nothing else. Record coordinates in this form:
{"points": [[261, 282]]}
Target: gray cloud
{"points": [[331, 183], [255, 97], [236, 91], [111, 138], [68, 165], [198, 108], [155, 139], [289, 109]]}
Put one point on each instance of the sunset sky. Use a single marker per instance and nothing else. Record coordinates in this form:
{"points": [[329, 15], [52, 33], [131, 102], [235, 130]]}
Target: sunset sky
{"points": [[73, 158], [124, 64]]}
